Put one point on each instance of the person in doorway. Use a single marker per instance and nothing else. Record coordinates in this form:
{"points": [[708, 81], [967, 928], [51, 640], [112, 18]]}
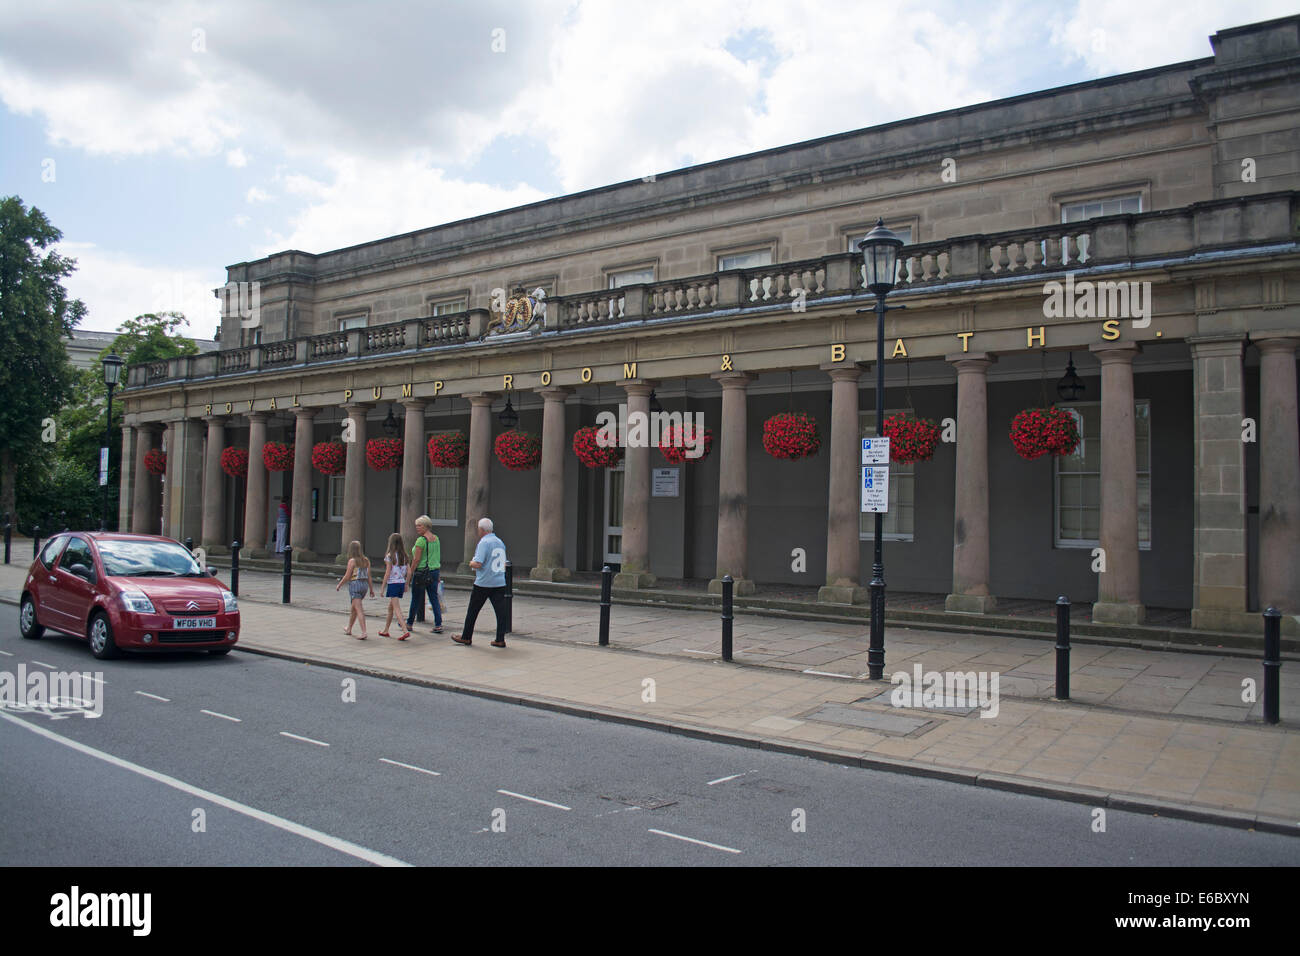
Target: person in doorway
{"points": [[357, 577], [426, 565], [394, 583], [282, 527], [489, 566]]}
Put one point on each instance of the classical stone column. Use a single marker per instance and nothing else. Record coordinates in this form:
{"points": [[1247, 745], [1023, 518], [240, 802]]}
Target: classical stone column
{"points": [[477, 473], [144, 495], [733, 485], [184, 495], [550, 506], [844, 502], [1119, 585], [1279, 478], [970, 538], [214, 488], [124, 485], [354, 483], [254, 542], [300, 525], [415, 458], [635, 571], [1219, 485]]}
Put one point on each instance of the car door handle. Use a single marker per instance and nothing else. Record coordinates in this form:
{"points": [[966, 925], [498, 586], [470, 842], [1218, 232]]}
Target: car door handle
{"points": [[54, 580]]}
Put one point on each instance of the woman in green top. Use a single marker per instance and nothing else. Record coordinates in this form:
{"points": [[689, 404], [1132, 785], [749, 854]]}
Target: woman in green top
{"points": [[426, 561]]}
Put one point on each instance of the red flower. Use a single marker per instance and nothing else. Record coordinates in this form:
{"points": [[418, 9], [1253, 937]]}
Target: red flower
{"points": [[519, 451], [1040, 431], [329, 457], [384, 454], [791, 435], [911, 439], [277, 456], [678, 440], [591, 453], [449, 450], [234, 462], [155, 461]]}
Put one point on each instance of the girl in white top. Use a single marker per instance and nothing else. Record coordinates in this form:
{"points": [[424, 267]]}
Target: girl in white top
{"points": [[395, 562]]}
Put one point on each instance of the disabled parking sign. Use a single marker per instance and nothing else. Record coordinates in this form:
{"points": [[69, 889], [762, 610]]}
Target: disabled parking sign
{"points": [[875, 489]]}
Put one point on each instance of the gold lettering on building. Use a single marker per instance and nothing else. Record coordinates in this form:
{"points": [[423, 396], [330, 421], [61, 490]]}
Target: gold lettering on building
{"points": [[899, 349], [837, 353], [227, 408], [347, 394], [437, 387], [546, 378], [377, 391], [273, 403], [586, 375], [250, 404], [507, 381], [726, 363], [965, 340], [1031, 335], [1110, 330], [295, 401], [207, 409], [406, 390], [629, 369]]}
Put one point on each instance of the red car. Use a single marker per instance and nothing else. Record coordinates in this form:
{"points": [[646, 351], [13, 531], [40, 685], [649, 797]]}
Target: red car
{"points": [[127, 592]]}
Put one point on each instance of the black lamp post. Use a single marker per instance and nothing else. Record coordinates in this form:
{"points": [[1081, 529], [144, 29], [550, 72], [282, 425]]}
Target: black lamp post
{"points": [[508, 418], [880, 254], [1070, 387], [112, 374]]}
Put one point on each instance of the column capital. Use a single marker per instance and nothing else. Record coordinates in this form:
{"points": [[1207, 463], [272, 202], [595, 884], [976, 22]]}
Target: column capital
{"points": [[554, 393], [305, 412], [1110, 353], [353, 407], [638, 386], [257, 416], [414, 404], [733, 379], [970, 361], [832, 367], [215, 419], [1279, 342], [480, 398]]}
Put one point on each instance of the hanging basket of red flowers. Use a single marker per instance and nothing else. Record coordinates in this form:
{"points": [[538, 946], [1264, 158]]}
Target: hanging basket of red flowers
{"points": [[449, 450], [681, 443], [234, 462], [1044, 431], [791, 435], [329, 457], [519, 451], [590, 451], [155, 461], [384, 454], [277, 456], [911, 439]]}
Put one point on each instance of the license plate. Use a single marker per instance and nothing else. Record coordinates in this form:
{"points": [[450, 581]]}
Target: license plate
{"points": [[194, 623]]}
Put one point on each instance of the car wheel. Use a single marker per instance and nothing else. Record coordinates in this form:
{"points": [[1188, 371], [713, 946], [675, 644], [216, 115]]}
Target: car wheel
{"points": [[27, 623], [219, 651], [102, 644]]}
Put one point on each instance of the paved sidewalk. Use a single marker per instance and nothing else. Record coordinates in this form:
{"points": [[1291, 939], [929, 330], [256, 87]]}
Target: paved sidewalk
{"points": [[1160, 731]]}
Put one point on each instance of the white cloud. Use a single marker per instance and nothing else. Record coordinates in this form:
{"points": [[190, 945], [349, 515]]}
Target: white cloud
{"points": [[237, 158], [241, 220], [257, 194]]}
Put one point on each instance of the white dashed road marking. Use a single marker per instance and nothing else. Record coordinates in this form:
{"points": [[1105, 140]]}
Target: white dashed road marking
{"points": [[712, 846], [43, 664], [165, 700], [318, 743], [213, 713], [398, 763], [724, 779], [545, 803], [7, 653]]}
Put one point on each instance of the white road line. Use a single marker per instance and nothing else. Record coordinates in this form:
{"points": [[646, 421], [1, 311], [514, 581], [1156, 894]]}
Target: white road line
{"points": [[829, 674], [318, 743], [398, 763], [6, 653], [712, 846], [165, 700], [213, 713], [43, 664], [724, 779], [333, 842], [545, 803], [97, 680]]}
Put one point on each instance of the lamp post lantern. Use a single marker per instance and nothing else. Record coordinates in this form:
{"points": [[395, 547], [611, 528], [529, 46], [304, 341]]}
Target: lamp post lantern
{"points": [[508, 418], [112, 374], [880, 256]]}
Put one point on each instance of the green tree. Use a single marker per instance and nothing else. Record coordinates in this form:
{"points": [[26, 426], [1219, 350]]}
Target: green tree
{"points": [[35, 317]]}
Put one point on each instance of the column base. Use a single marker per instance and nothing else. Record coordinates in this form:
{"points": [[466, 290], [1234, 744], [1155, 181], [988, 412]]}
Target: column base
{"points": [[215, 548], [260, 553], [634, 580], [1104, 612], [843, 594], [304, 556], [464, 568], [740, 586], [1241, 622], [970, 603], [550, 574]]}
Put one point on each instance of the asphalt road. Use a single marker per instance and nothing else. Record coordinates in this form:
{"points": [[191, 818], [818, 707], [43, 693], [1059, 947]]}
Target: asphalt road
{"points": [[287, 772]]}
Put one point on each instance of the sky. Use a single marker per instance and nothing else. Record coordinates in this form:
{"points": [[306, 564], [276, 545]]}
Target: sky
{"points": [[170, 140]]}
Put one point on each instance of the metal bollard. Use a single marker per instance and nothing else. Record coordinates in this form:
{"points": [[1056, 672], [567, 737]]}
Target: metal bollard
{"points": [[288, 575], [36, 541], [510, 598], [234, 568], [726, 616], [8, 536], [1272, 664], [189, 545], [606, 583], [1063, 648]]}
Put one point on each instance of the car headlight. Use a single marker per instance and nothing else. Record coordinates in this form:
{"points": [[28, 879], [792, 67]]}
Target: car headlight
{"points": [[138, 602], [232, 602]]}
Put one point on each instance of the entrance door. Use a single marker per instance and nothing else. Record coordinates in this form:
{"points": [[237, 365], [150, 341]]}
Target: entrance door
{"points": [[613, 539]]}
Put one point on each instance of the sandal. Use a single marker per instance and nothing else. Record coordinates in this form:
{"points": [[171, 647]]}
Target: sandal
{"points": [[405, 636], [384, 634]]}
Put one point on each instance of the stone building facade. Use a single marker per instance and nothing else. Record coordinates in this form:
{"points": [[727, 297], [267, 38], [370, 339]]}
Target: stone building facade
{"points": [[732, 289]]}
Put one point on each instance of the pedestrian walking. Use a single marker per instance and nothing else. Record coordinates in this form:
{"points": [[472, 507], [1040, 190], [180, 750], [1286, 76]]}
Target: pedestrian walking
{"points": [[426, 566], [282, 527], [489, 566], [357, 577], [394, 583]]}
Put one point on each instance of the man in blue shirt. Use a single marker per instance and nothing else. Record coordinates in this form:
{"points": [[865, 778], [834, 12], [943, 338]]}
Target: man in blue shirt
{"points": [[489, 566]]}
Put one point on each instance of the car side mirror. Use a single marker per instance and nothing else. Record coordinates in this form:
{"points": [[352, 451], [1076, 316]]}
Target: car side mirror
{"points": [[81, 571], [212, 572]]}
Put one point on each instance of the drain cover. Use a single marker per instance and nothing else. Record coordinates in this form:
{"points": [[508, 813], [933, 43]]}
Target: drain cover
{"points": [[641, 803]]}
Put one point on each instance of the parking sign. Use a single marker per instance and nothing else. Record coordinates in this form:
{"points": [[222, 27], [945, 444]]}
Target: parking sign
{"points": [[875, 490]]}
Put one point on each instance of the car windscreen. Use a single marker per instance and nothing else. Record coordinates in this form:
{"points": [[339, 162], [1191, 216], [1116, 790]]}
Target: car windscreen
{"points": [[147, 559]]}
